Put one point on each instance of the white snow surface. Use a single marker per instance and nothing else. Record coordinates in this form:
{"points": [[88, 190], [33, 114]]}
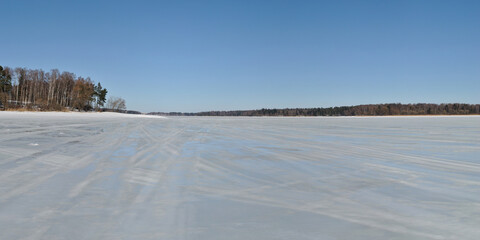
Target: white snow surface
{"points": [[117, 176], [96, 115]]}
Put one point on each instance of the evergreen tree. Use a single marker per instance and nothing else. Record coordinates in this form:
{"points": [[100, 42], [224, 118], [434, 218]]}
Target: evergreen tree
{"points": [[100, 95], [5, 81], [5, 86]]}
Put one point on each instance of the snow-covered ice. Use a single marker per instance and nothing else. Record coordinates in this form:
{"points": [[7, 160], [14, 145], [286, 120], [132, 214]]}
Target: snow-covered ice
{"points": [[116, 176]]}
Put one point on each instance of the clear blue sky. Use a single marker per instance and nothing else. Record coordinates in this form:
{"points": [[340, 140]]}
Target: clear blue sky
{"points": [[228, 55]]}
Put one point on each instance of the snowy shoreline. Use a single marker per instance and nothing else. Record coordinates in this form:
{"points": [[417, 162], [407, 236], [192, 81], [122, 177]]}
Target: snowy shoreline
{"points": [[74, 114]]}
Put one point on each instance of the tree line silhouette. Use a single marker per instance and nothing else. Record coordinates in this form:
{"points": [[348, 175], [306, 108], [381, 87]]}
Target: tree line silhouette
{"points": [[54, 90], [358, 110]]}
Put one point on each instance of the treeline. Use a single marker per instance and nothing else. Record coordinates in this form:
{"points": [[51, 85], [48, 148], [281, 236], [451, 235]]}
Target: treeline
{"points": [[53, 90], [359, 110], [173, 114]]}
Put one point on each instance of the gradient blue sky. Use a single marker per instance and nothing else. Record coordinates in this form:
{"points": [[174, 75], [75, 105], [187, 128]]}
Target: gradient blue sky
{"points": [[228, 55]]}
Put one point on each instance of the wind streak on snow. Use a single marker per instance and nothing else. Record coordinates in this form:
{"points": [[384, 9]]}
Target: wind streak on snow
{"points": [[113, 177]]}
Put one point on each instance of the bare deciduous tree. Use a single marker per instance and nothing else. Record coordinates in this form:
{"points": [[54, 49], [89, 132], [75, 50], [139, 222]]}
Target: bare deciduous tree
{"points": [[116, 104]]}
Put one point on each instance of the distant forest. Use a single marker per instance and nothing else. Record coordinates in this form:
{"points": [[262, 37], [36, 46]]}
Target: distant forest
{"points": [[359, 110], [35, 89]]}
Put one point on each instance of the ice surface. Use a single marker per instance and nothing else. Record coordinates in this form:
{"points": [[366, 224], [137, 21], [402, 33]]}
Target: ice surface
{"points": [[112, 176]]}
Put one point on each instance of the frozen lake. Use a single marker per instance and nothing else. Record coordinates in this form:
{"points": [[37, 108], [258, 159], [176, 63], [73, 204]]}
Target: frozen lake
{"points": [[108, 176]]}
